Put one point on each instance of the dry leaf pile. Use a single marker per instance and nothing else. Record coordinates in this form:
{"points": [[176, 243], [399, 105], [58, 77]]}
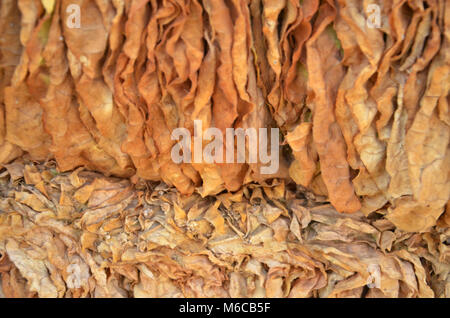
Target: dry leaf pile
{"points": [[82, 234], [364, 122]]}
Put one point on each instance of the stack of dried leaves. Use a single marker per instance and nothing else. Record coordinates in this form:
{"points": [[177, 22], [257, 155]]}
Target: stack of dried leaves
{"points": [[364, 119], [82, 234]]}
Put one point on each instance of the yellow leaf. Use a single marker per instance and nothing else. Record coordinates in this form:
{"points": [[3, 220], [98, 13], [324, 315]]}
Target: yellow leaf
{"points": [[49, 5]]}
